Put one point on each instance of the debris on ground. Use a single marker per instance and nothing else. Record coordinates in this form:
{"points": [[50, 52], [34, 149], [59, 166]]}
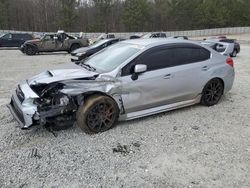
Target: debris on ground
{"points": [[34, 153], [126, 149]]}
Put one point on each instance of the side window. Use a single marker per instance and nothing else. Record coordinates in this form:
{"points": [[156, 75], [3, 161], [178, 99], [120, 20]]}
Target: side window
{"points": [[7, 36], [18, 36], [155, 59], [186, 55], [27, 37], [227, 40], [163, 35], [158, 59]]}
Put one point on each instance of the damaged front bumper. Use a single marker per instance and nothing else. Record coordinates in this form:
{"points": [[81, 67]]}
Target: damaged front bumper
{"points": [[22, 107]]}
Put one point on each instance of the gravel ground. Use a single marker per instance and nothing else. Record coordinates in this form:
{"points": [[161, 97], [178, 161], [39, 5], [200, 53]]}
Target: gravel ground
{"points": [[192, 147]]}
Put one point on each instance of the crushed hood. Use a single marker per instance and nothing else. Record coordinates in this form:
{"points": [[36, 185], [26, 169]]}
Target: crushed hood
{"points": [[51, 76]]}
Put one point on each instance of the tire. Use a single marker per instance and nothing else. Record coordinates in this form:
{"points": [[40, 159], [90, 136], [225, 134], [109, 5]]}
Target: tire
{"points": [[212, 92], [99, 113], [234, 53], [74, 47], [30, 50]]}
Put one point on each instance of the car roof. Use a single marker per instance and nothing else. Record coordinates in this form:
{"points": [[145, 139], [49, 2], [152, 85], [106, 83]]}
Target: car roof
{"points": [[156, 42]]}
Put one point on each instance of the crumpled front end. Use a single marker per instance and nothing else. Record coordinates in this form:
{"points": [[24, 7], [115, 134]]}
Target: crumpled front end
{"points": [[22, 107], [53, 97]]}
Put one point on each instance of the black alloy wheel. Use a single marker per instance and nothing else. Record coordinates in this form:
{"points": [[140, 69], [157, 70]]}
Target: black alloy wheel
{"points": [[212, 92]]}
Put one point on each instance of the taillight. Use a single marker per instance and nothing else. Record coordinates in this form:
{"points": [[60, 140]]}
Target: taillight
{"points": [[230, 62]]}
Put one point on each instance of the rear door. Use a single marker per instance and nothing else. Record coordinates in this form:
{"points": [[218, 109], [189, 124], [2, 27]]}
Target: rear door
{"points": [[190, 71], [18, 39]]}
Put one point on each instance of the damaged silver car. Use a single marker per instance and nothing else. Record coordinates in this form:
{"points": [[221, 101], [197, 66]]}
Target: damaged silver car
{"points": [[128, 80]]}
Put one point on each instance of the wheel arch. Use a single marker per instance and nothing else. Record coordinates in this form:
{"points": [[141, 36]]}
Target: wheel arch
{"points": [[116, 97], [75, 43], [222, 81]]}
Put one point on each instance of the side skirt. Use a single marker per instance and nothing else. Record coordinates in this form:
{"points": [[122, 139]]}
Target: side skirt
{"points": [[159, 109]]}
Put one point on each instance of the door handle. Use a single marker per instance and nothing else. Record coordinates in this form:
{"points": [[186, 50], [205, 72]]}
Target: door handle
{"points": [[167, 76], [205, 68]]}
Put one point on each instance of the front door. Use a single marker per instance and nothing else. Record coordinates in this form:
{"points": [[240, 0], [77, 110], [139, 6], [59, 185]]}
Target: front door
{"points": [[150, 88]]}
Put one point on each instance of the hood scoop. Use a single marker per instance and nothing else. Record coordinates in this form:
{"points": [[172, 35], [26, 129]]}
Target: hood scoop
{"points": [[51, 76]]}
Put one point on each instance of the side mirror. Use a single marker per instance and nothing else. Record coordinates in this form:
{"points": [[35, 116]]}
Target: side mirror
{"points": [[140, 68], [55, 38]]}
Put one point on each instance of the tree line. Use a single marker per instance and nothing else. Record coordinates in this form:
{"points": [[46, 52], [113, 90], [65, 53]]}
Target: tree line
{"points": [[122, 15]]}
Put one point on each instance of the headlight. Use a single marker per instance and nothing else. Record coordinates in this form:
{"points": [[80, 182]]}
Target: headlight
{"points": [[80, 54]]}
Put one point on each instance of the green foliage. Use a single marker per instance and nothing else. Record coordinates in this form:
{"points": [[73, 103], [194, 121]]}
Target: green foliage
{"points": [[122, 15], [67, 13], [3, 13], [135, 15]]}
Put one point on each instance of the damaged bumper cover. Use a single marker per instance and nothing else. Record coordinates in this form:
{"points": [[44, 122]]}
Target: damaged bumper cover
{"points": [[22, 107]]}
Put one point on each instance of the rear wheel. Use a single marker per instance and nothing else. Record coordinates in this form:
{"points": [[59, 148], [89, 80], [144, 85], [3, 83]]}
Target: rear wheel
{"points": [[74, 47], [30, 50], [212, 92], [234, 53], [98, 114]]}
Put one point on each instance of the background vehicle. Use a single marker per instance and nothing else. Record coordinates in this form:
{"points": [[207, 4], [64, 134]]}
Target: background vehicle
{"points": [[154, 35], [225, 49], [179, 37], [236, 48], [134, 37], [128, 80], [102, 37], [14, 39], [53, 43], [84, 52]]}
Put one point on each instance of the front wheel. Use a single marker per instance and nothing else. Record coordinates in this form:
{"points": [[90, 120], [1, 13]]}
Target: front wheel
{"points": [[98, 114], [74, 47], [212, 92]]}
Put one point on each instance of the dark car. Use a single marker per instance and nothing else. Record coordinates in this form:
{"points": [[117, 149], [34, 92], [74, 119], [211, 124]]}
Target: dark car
{"points": [[84, 52], [14, 39], [134, 37], [179, 37]]}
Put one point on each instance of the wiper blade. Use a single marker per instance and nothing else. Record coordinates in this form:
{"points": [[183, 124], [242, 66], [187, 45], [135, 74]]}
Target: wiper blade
{"points": [[88, 67]]}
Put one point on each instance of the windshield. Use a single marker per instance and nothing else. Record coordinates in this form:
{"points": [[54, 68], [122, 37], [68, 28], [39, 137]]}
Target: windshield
{"points": [[111, 57]]}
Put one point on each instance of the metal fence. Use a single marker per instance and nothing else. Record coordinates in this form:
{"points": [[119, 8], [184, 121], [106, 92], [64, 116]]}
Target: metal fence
{"points": [[190, 33]]}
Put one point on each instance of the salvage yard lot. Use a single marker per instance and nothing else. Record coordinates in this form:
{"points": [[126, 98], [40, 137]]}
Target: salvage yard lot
{"points": [[192, 147]]}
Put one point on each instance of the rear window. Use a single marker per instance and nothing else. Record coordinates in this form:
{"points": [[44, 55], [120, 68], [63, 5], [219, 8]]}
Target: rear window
{"points": [[227, 40], [186, 55]]}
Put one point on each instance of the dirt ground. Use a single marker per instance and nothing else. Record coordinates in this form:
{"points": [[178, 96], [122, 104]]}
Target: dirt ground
{"points": [[192, 147]]}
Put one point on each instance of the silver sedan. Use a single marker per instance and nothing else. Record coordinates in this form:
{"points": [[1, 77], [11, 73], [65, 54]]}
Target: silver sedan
{"points": [[128, 80]]}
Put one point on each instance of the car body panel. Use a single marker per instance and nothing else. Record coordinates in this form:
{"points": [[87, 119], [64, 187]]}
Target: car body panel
{"points": [[153, 92]]}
